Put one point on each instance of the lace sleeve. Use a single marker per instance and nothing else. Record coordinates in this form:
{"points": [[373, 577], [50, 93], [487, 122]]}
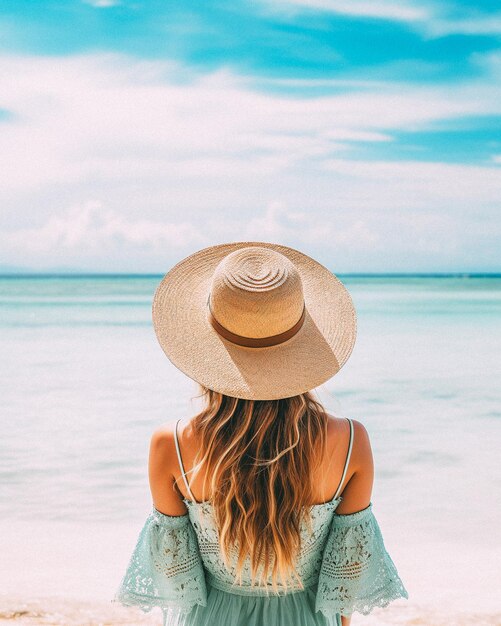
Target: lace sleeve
{"points": [[357, 573], [165, 569]]}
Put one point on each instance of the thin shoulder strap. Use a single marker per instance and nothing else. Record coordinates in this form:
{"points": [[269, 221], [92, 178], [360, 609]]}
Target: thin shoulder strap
{"points": [[347, 462], [181, 466]]}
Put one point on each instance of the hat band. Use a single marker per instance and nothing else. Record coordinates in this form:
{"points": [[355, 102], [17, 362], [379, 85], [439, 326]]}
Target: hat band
{"points": [[255, 342]]}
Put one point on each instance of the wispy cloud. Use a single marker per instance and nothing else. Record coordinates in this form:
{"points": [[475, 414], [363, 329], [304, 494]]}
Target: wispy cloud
{"points": [[286, 39], [93, 234], [403, 11], [358, 130], [102, 4], [419, 185], [472, 24], [111, 119], [434, 19], [107, 159]]}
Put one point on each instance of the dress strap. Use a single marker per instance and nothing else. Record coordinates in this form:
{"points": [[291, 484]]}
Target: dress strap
{"points": [[181, 466], [347, 462]]}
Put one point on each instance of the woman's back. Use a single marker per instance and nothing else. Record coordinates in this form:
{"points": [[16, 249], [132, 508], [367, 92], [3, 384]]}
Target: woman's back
{"points": [[333, 476], [221, 575], [342, 563]]}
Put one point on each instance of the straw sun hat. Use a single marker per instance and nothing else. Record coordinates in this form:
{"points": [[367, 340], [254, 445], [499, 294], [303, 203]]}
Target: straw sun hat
{"points": [[254, 320]]}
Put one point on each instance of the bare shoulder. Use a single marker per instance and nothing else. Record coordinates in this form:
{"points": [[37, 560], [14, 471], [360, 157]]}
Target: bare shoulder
{"points": [[162, 459], [362, 449], [162, 449], [357, 490], [361, 454], [338, 425]]}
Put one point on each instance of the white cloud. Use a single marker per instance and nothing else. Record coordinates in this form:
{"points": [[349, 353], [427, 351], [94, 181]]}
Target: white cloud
{"points": [[109, 118], [174, 165], [431, 18], [102, 4], [401, 11], [421, 184], [468, 25], [278, 223], [81, 232]]}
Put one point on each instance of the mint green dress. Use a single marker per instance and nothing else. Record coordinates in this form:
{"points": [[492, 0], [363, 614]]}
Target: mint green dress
{"points": [[177, 566]]}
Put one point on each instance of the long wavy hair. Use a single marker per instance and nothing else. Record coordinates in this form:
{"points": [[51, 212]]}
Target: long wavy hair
{"points": [[259, 459]]}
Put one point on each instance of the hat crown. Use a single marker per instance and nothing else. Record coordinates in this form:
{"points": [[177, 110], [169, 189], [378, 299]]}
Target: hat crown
{"points": [[256, 292]]}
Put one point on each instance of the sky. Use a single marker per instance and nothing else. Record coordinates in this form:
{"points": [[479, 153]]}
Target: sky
{"points": [[366, 134]]}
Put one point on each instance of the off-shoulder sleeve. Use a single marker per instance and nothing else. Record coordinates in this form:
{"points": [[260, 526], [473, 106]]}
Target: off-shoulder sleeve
{"points": [[165, 569], [357, 573]]}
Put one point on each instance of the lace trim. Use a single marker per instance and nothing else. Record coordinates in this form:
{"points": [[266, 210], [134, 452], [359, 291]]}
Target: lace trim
{"points": [[165, 568], [357, 573], [313, 535], [174, 554]]}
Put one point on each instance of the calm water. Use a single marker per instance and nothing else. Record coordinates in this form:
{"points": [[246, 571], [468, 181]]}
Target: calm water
{"points": [[84, 383]]}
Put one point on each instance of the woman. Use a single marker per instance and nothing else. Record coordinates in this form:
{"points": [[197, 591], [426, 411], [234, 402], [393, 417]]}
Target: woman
{"points": [[262, 512]]}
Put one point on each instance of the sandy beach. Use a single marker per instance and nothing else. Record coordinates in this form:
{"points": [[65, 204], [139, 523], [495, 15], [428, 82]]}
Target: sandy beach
{"points": [[59, 612]]}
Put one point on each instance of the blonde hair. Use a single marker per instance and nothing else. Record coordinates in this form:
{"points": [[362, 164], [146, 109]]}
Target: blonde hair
{"points": [[259, 458]]}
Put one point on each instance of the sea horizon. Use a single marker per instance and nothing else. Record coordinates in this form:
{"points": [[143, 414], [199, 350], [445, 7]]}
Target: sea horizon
{"points": [[85, 274]]}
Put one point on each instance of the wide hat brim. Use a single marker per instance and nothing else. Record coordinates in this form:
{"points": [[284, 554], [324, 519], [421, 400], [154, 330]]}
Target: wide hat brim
{"points": [[311, 357]]}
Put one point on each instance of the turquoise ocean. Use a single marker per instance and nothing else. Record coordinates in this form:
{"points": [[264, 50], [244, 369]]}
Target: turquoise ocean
{"points": [[84, 383]]}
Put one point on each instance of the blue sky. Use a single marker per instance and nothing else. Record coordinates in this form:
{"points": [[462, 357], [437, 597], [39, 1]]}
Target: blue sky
{"points": [[365, 133]]}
